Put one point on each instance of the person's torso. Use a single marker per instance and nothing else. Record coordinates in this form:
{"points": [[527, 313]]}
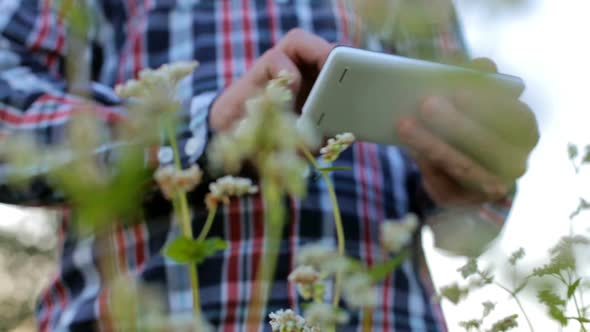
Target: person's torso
{"points": [[226, 37]]}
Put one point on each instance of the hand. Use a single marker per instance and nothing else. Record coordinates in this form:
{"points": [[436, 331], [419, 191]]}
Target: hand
{"points": [[470, 148], [300, 53]]}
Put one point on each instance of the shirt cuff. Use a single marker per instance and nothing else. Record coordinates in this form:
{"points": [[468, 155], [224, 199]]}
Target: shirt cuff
{"points": [[469, 231]]}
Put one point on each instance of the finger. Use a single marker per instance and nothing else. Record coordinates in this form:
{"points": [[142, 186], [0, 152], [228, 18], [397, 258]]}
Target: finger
{"points": [[476, 141], [305, 49], [460, 167], [512, 119], [444, 190], [483, 64]]}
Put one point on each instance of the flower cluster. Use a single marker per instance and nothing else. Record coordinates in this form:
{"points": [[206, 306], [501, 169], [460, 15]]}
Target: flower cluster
{"points": [[173, 181], [152, 82], [266, 135], [336, 146], [358, 292], [317, 261], [315, 255], [325, 315], [289, 321], [308, 282], [395, 235], [228, 186]]}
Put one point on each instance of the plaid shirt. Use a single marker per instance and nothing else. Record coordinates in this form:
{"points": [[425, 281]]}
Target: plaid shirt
{"points": [[226, 36]]}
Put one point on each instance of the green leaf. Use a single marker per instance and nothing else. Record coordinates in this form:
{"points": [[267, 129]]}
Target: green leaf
{"points": [[549, 298], [469, 268], [453, 293], [334, 169], [571, 289], [572, 151], [379, 272], [505, 324], [516, 256], [582, 319], [557, 315], [184, 250]]}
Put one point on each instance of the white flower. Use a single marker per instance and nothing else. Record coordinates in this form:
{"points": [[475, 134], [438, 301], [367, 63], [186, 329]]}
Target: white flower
{"points": [[153, 84], [173, 181], [358, 292], [286, 169], [336, 146], [308, 281], [228, 186], [288, 321], [129, 89], [325, 315], [337, 265], [395, 235], [268, 129], [315, 255], [304, 274], [179, 70]]}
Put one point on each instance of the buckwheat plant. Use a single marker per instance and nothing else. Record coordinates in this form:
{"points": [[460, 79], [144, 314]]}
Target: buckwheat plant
{"points": [[268, 138], [559, 284], [318, 263]]}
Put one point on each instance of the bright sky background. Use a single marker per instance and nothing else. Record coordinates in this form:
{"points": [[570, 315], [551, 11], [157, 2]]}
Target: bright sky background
{"points": [[547, 45]]}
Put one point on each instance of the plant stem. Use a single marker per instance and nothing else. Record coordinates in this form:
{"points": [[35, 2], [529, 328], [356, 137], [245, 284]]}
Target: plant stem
{"points": [[337, 219], [513, 295], [185, 222], [267, 264], [208, 223], [578, 310], [339, 234], [367, 320]]}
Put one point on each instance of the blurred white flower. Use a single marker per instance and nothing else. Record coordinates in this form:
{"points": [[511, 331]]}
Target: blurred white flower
{"points": [[337, 265], [304, 274], [358, 292], [131, 88], [286, 168], [325, 315], [173, 181], [308, 281], [336, 146], [395, 235], [288, 321], [315, 255], [228, 186], [153, 84], [267, 136]]}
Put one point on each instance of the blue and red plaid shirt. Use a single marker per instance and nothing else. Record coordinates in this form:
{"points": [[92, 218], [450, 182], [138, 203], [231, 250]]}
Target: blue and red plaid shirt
{"points": [[226, 37]]}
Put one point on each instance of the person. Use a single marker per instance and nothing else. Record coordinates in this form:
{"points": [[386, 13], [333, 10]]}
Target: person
{"points": [[241, 45]]}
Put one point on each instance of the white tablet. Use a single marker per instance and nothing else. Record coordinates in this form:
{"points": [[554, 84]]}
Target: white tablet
{"points": [[366, 92]]}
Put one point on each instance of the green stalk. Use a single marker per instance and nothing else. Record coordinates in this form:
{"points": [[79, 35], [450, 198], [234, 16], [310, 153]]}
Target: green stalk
{"points": [[208, 223], [337, 220], [266, 265], [185, 222], [513, 295], [578, 309]]}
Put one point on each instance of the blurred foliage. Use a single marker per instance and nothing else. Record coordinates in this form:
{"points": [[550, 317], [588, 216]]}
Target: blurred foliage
{"points": [[25, 266]]}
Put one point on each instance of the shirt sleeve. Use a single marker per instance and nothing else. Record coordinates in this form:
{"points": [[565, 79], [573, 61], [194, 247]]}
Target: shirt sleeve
{"points": [[34, 100]]}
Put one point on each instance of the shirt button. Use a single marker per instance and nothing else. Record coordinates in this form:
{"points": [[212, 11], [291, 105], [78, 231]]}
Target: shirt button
{"points": [[165, 155]]}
